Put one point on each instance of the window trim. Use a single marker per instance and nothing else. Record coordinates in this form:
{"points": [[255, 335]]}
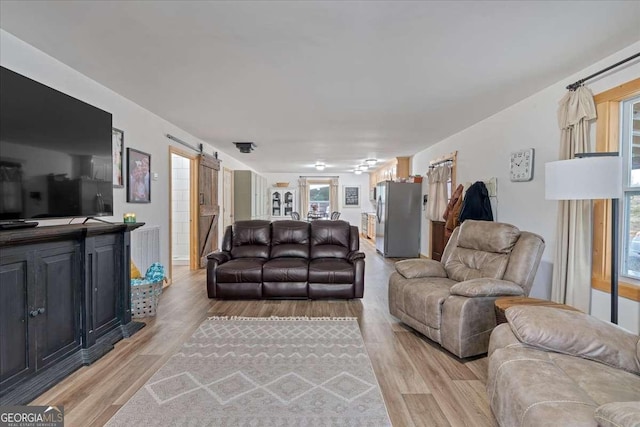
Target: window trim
{"points": [[453, 157], [608, 139]]}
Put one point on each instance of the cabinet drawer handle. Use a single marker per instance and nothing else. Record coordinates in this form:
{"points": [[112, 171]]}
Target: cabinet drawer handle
{"points": [[33, 313], [41, 310]]}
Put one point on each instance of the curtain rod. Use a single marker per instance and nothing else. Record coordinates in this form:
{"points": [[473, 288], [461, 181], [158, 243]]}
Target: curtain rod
{"points": [[186, 144], [580, 82], [441, 162]]}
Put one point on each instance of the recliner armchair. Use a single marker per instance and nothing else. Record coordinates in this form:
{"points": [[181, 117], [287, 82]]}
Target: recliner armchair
{"points": [[452, 301]]}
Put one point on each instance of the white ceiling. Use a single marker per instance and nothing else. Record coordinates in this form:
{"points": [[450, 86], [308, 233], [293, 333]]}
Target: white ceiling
{"points": [[331, 81]]}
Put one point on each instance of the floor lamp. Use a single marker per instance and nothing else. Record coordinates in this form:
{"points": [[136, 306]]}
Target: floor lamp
{"points": [[591, 176]]}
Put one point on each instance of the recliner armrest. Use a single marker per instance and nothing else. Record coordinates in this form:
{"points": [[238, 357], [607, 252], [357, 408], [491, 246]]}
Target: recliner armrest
{"points": [[220, 256], [486, 287], [416, 268], [355, 255]]}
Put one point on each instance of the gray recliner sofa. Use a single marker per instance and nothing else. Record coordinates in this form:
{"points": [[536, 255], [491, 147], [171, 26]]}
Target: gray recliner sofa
{"points": [[452, 301], [552, 367]]}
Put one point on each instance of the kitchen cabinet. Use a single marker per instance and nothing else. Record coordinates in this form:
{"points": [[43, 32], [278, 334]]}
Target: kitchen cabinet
{"points": [[282, 202], [249, 196], [398, 168], [371, 226]]}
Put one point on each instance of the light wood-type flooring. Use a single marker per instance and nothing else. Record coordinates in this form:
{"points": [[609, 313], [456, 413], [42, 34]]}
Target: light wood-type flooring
{"points": [[422, 384]]}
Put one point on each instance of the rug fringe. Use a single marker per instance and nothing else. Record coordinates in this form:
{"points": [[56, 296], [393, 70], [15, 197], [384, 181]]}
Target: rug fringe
{"points": [[280, 318]]}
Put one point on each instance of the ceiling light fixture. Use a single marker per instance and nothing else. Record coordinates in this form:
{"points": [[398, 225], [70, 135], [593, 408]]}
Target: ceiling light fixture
{"points": [[320, 166], [371, 162], [357, 171], [363, 167], [245, 147]]}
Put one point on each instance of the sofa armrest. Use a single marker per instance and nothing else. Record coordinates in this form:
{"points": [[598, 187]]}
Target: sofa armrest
{"points": [[214, 259], [220, 256], [486, 287], [618, 414], [576, 334], [416, 268], [354, 255]]}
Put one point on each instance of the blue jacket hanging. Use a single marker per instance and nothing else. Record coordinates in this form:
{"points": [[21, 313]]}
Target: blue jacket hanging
{"points": [[476, 204]]}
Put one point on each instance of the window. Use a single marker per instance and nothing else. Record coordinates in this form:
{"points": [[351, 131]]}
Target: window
{"points": [[630, 142], [319, 200], [614, 132]]}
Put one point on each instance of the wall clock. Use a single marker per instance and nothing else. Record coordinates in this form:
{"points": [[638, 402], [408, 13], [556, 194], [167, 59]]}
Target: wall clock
{"points": [[521, 166]]}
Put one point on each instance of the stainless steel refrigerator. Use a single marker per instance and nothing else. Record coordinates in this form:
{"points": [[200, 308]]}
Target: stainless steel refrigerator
{"points": [[398, 219]]}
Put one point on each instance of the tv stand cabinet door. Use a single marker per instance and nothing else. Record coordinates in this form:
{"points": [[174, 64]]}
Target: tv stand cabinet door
{"points": [[103, 256], [17, 336], [57, 299]]}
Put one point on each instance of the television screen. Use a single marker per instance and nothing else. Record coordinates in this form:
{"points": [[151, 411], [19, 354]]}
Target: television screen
{"points": [[55, 153]]}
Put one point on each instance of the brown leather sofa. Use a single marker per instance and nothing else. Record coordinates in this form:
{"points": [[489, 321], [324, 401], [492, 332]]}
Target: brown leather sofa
{"points": [[563, 368], [287, 259], [452, 301]]}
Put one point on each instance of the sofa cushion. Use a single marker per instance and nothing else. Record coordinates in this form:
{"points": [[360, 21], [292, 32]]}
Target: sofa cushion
{"points": [[601, 382], [414, 268], [488, 236], [286, 270], [240, 270], [525, 388], [330, 239], [251, 239], [331, 270], [290, 239], [619, 414], [576, 334], [423, 300], [466, 264]]}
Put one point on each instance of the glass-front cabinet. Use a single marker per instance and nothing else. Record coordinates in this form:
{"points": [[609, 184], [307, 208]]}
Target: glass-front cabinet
{"points": [[283, 202]]}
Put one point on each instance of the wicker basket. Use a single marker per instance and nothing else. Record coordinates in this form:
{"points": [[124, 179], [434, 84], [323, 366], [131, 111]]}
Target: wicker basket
{"points": [[144, 299], [282, 184]]}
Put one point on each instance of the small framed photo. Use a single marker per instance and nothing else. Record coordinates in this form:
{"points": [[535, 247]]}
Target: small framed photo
{"points": [[138, 176], [117, 146], [351, 196]]}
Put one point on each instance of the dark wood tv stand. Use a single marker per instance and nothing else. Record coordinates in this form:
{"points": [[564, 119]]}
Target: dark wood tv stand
{"points": [[65, 299]]}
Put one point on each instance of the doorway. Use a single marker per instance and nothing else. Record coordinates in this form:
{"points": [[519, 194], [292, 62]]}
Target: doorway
{"points": [[183, 185], [227, 198]]}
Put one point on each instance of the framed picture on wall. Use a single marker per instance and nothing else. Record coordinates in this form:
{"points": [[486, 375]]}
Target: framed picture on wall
{"points": [[350, 196], [117, 146], [138, 176]]}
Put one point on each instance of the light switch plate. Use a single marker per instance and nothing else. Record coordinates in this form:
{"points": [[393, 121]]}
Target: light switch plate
{"points": [[492, 186]]}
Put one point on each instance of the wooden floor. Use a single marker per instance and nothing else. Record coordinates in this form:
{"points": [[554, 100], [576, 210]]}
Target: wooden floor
{"points": [[422, 384]]}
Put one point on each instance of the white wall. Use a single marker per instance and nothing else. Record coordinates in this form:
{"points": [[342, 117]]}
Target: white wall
{"points": [[143, 130], [348, 214], [483, 152], [180, 170]]}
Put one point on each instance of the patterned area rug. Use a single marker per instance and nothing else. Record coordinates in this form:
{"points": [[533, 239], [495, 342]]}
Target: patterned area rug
{"points": [[263, 372]]}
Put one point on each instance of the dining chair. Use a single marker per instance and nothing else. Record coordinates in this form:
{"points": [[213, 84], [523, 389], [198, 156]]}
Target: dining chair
{"points": [[335, 215], [295, 216]]}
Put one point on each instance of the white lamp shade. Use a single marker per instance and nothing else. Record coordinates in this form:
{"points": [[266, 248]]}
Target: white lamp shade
{"points": [[585, 178]]}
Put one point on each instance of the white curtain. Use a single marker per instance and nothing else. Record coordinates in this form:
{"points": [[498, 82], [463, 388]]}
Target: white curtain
{"points": [[303, 187], [333, 195], [437, 196], [572, 265]]}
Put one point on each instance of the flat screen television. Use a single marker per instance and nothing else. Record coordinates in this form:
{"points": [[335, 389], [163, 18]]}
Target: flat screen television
{"points": [[55, 153]]}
